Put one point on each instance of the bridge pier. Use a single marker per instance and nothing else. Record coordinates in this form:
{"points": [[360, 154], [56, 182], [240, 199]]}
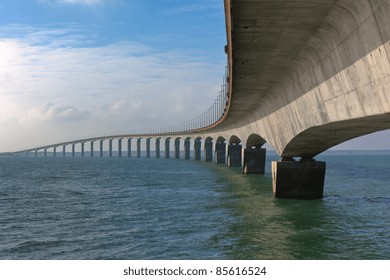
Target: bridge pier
{"points": [[82, 149], [138, 147], [158, 148], [302, 179], [220, 152], [101, 148], [73, 149], [254, 160], [36, 153], [177, 148], [234, 155], [187, 151], [110, 148], [55, 152], [45, 152], [63, 150], [148, 148], [92, 148], [167, 147], [129, 147], [120, 147], [197, 149], [208, 150]]}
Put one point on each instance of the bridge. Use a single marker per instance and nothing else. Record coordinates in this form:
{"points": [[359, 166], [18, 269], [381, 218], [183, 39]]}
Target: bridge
{"points": [[302, 76]]}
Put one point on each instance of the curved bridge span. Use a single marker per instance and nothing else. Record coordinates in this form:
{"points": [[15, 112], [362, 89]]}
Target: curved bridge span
{"points": [[303, 76]]}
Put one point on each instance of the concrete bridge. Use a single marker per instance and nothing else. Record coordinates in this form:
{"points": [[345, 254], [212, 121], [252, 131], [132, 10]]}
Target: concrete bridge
{"points": [[303, 76]]}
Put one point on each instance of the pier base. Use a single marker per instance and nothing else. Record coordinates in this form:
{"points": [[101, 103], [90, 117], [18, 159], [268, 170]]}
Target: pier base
{"points": [[208, 150], [138, 147], [234, 156], [197, 149], [187, 151], [158, 148], [220, 152], [254, 161], [91, 149], [177, 148], [110, 148], [129, 147], [119, 147], [298, 180], [167, 145], [148, 148]]}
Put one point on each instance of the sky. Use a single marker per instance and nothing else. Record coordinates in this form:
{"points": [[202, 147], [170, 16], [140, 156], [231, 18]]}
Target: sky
{"points": [[82, 68]]}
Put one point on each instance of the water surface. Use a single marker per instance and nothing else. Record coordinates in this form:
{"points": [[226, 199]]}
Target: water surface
{"points": [[121, 208]]}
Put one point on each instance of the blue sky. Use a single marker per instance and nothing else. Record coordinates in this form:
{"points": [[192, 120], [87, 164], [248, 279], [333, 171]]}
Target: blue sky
{"points": [[81, 68], [78, 68]]}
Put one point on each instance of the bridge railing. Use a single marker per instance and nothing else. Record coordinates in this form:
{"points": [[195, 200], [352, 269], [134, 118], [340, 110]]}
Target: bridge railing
{"points": [[216, 112]]}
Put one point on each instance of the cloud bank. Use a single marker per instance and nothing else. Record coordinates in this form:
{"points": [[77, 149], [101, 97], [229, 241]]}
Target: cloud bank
{"points": [[53, 87]]}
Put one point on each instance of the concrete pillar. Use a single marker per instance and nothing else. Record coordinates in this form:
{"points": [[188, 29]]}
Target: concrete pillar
{"points": [[148, 148], [220, 152], [55, 151], [139, 147], [177, 148], [110, 148], [187, 151], [120, 147], [36, 153], [167, 142], [101, 148], [254, 160], [73, 149], [45, 152], [298, 179], [158, 148], [197, 149], [234, 155], [208, 151], [82, 149], [63, 151], [129, 147], [92, 148]]}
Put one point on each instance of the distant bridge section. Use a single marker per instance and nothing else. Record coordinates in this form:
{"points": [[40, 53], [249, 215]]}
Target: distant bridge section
{"points": [[302, 76]]}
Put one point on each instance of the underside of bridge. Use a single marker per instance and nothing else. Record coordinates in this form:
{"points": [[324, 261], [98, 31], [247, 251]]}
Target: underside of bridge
{"points": [[303, 64], [267, 37], [307, 75]]}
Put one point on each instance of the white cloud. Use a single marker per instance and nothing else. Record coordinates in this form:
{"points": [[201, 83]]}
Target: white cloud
{"points": [[53, 91], [58, 113]]}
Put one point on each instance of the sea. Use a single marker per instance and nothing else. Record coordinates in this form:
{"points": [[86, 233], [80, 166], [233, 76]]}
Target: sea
{"points": [[167, 209]]}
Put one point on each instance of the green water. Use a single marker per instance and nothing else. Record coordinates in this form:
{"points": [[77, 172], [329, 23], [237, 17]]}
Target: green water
{"points": [[120, 208]]}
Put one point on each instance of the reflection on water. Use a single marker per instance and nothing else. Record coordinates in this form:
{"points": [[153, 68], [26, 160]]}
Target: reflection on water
{"points": [[169, 209], [342, 226]]}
